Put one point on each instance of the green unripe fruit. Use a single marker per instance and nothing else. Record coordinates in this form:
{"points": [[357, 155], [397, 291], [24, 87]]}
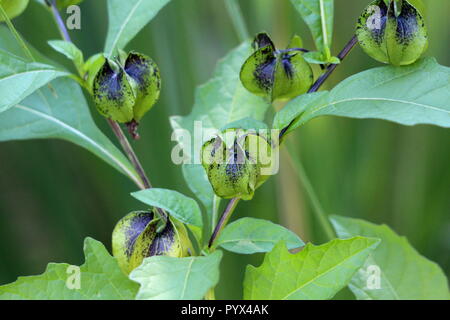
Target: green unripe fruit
{"points": [[125, 90], [13, 8], [393, 33], [145, 79], [276, 74], [135, 237], [234, 166]]}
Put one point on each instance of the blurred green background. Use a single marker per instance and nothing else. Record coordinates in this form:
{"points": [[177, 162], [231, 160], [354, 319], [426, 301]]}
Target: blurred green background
{"points": [[54, 194]]}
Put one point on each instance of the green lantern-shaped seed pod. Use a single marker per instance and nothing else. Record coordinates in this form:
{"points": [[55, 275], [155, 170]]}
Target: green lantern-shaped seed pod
{"points": [[126, 89], [276, 74], [145, 79], [13, 8], [234, 163], [135, 237], [394, 33]]}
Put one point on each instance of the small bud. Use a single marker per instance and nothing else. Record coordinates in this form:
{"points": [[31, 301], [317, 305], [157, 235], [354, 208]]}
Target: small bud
{"points": [[276, 74], [233, 163], [135, 237], [13, 8], [126, 89], [393, 33]]}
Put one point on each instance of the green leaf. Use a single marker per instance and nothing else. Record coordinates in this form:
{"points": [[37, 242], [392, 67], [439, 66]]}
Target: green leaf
{"points": [[404, 273], [167, 278], [20, 78], [181, 207], [10, 44], [250, 235], [61, 113], [100, 279], [318, 15], [316, 272], [317, 57], [409, 95], [126, 19], [70, 51], [220, 101]]}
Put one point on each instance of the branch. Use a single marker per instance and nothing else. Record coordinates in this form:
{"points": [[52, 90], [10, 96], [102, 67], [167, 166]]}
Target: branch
{"points": [[316, 86], [223, 220]]}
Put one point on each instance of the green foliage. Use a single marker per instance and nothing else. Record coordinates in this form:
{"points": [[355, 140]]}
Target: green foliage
{"points": [[219, 102], [12, 8], [37, 105], [126, 19], [234, 166], [404, 273], [100, 279], [10, 44], [178, 205], [199, 185], [60, 111], [124, 90], [318, 15], [222, 99], [381, 93], [250, 235], [20, 78], [165, 278], [316, 272], [70, 51]]}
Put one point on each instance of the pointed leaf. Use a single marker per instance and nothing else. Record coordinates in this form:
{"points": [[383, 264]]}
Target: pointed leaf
{"points": [[126, 19], [250, 235], [100, 279], [404, 273], [61, 113], [69, 50], [181, 207], [167, 278], [316, 272]]}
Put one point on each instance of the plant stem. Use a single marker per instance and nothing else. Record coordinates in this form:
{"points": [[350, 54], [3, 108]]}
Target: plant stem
{"points": [[126, 146], [130, 153], [234, 11], [223, 220], [59, 21], [316, 86], [317, 207]]}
